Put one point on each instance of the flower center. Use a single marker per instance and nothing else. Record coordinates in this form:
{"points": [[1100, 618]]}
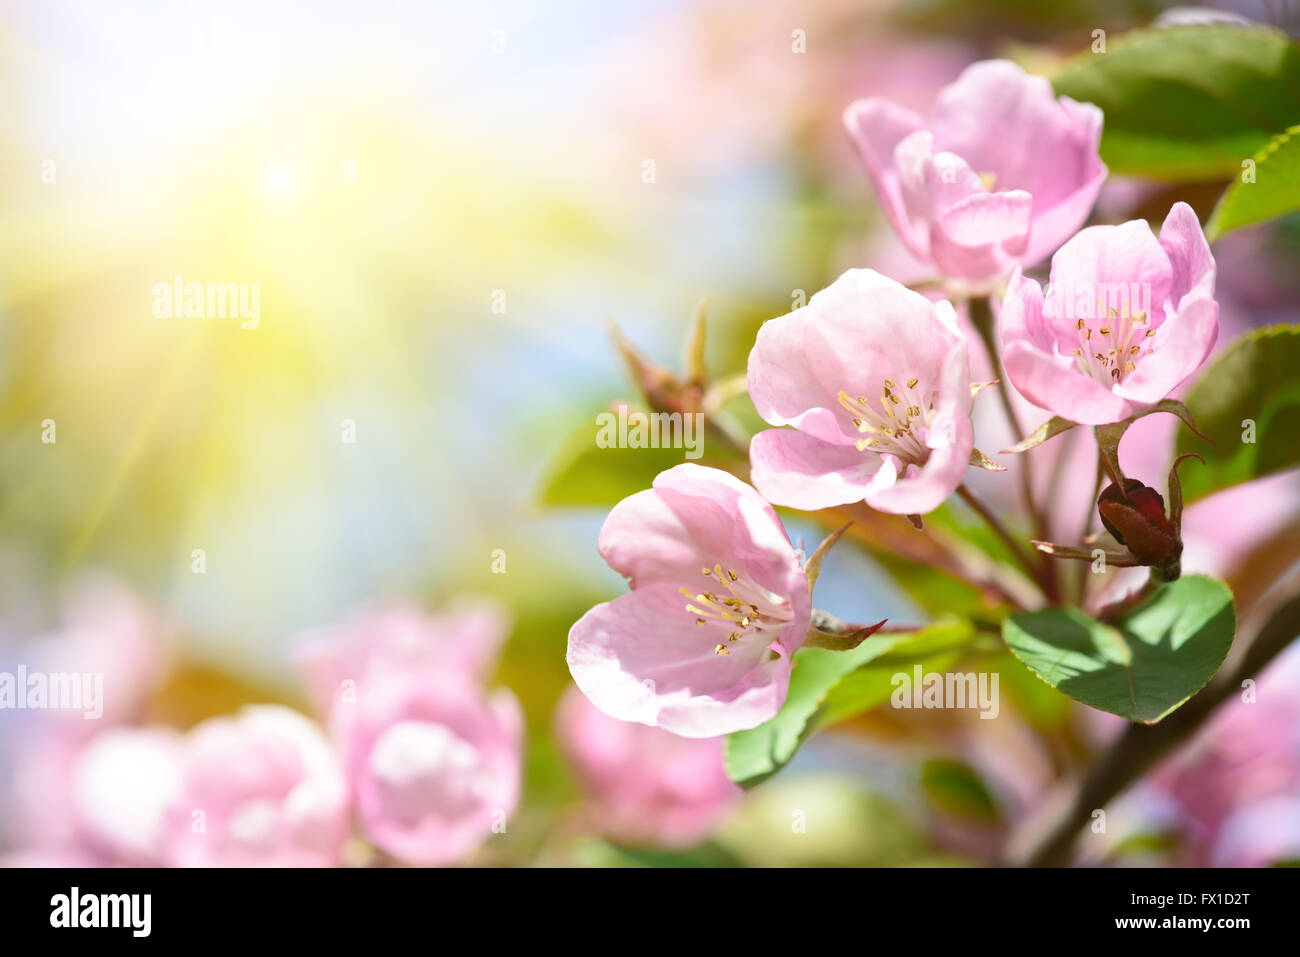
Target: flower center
{"points": [[423, 768], [899, 427], [1111, 351], [746, 610]]}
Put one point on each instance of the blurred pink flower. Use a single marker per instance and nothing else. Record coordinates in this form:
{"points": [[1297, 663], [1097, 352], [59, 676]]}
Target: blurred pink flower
{"points": [[875, 379], [701, 645], [106, 630], [644, 785], [670, 87], [999, 175], [433, 764], [431, 761], [1260, 834], [1234, 786], [101, 800], [47, 859], [260, 788], [1125, 320], [464, 640], [122, 784], [108, 633]]}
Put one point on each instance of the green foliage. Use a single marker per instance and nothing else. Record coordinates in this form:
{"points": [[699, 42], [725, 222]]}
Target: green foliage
{"points": [[829, 686], [1257, 379], [1145, 665], [1273, 190], [1189, 103], [583, 473], [954, 789]]}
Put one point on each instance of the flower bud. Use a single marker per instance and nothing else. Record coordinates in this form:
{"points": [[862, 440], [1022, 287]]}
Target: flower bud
{"points": [[1136, 518]]}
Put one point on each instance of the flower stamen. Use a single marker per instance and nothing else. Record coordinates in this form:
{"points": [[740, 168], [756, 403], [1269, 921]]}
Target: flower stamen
{"points": [[898, 427], [747, 610]]}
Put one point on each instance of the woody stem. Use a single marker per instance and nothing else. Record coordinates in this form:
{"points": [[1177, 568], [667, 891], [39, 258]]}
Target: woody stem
{"points": [[1087, 524], [1047, 836], [1036, 570], [981, 316]]}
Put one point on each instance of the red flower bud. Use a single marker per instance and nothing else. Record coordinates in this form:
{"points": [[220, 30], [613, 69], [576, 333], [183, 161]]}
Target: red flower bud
{"points": [[1136, 518]]}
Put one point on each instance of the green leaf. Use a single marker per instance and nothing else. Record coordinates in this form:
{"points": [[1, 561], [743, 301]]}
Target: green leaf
{"points": [[1257, 378], [1145, 665], [934, 648], [755, 755], [956, 790], [1188, 103], [583, 473], [1273, 191], [1045, 708]]}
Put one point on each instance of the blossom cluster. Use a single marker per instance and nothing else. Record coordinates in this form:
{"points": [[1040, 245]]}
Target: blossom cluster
{"points": [[868, 388], [415, 760]]}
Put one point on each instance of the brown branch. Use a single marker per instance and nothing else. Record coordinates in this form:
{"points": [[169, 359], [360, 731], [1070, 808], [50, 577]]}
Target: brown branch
{"points": [[981, 317], [1046, 838], [1029, 561]]}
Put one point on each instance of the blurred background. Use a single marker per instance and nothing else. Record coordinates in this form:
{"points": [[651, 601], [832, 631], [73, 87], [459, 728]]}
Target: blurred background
{"points": [[442, 204]]}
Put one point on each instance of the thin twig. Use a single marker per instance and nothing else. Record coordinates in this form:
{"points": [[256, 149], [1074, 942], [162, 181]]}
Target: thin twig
{"points": [[981, 316], [1031, 565], [1045, 840], [1087, 528], [887, 536]]}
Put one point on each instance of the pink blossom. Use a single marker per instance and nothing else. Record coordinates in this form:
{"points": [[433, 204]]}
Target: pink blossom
{"points": [[108, 631], [32, 858], [101, 800], [644, 785], [875, 379], [121, 786], [1234, 791], [1260, 834], [465, 639], [701, 645], [118, 644], [433, 764], [260, 788], [1125, 320], [999, 175]]}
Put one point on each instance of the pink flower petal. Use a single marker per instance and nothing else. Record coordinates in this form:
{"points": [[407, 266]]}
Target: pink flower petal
{"points": [[642, 658], [800, 471], [1182, 344], [1189, 254], [877, 127]]}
